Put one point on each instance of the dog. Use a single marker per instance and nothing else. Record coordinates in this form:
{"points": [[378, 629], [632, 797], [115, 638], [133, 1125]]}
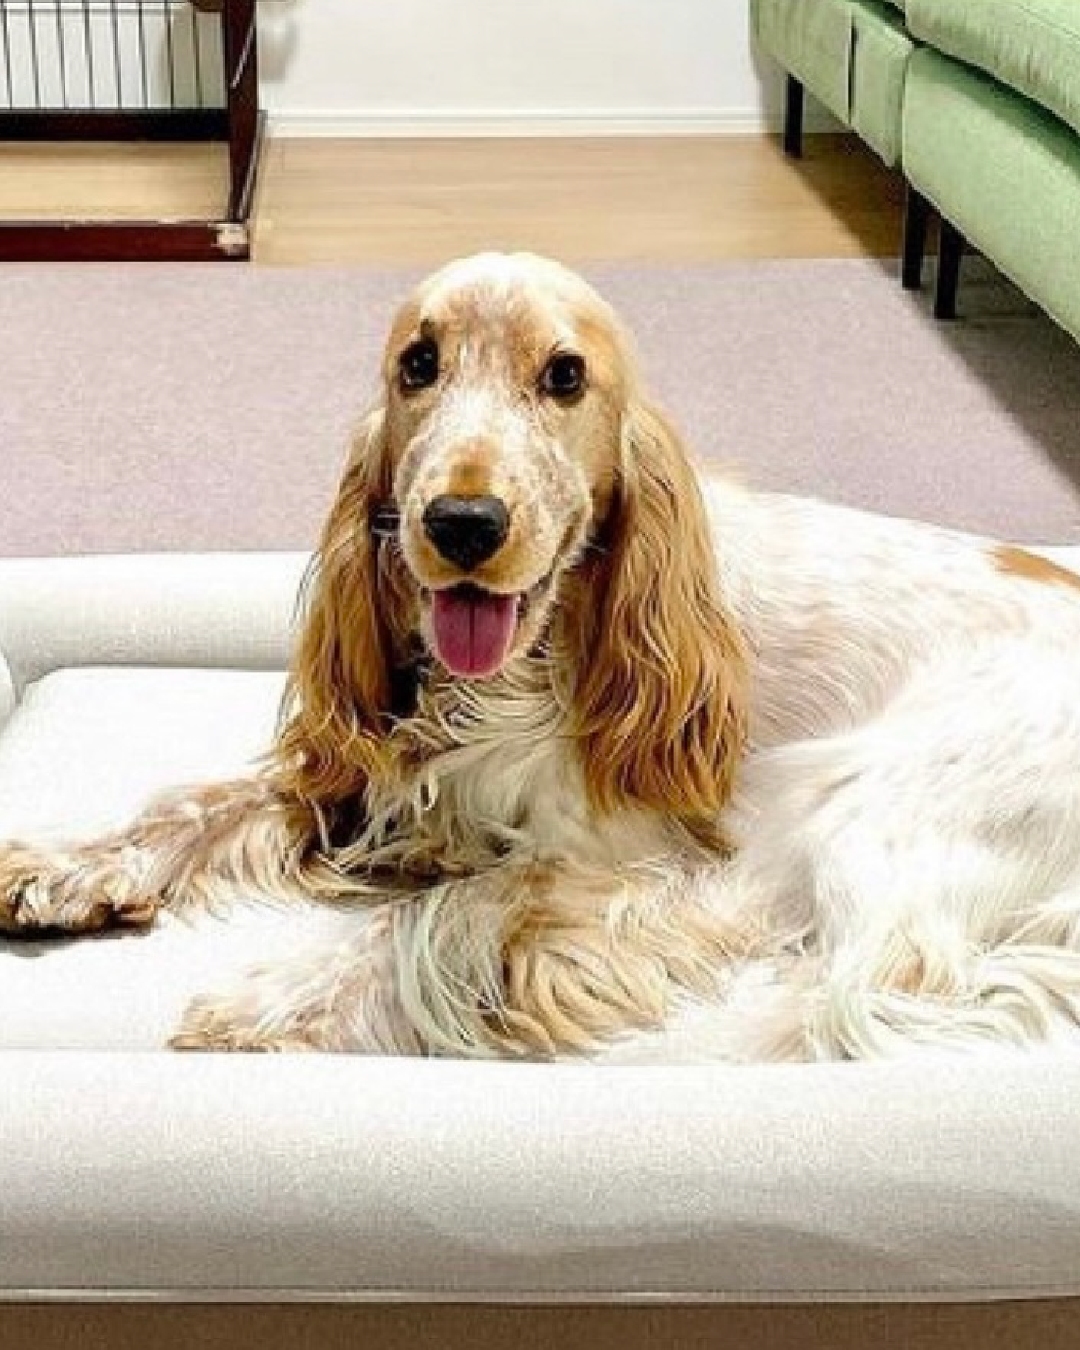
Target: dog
{"points": [[572, 734]]}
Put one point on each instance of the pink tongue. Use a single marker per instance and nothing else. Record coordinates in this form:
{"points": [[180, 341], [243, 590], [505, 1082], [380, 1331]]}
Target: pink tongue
{"points": [[473, 629]]}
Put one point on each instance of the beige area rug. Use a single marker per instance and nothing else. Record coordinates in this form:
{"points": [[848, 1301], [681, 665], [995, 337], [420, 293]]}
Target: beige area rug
{"points": [[176, 407]]}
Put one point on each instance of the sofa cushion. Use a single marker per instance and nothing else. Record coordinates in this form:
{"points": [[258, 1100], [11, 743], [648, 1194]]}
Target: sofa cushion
{"points": [[1032, 45]]}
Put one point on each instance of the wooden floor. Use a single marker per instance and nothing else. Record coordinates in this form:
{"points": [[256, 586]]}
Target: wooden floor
{"points": [[40, 182], [676, 198]]}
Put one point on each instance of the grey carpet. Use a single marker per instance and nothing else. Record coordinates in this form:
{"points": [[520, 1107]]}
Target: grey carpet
{"points": [[157, 407]]}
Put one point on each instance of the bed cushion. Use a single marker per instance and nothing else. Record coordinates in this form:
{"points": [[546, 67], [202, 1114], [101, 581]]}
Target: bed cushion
{"points": [[194, 1176], [86, 749]]}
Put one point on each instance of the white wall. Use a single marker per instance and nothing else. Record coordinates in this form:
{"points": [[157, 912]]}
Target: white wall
{"points": [[389, 66], [430, 66]]}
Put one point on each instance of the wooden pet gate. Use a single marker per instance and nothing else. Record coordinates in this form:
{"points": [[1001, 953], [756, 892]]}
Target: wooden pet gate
{"points": [[133, 70]]}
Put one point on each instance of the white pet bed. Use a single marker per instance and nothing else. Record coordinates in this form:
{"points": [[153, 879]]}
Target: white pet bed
{"points": [[126, 1168]]}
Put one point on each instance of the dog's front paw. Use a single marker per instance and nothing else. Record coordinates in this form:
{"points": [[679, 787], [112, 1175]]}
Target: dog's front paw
{"points": [[43, 892]]}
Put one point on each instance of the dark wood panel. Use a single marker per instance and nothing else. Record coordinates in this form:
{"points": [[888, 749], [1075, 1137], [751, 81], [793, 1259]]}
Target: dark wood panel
{"points": [[127, 241], [180, 124]]}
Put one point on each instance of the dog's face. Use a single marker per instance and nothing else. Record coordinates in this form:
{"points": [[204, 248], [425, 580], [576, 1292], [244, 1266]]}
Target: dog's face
{"points": [[504, 390], [510, 436]]}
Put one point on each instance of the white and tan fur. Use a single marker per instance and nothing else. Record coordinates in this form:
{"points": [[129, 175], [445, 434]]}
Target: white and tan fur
{"points": [[732, 727]]}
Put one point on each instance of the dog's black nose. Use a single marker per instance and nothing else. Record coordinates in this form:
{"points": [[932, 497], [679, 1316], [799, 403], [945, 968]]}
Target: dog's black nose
{"points": [[467, 530]]}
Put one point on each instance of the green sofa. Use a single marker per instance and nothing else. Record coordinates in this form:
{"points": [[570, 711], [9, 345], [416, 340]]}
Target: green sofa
{"points": [[976, 101]]}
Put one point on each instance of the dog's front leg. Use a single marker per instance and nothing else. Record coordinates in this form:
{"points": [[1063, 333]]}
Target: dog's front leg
{"points": [[519, 961], [189, 848]]}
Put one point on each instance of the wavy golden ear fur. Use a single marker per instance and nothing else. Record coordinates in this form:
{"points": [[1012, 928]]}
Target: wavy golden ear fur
{"points": [[660, 695], [339, 694]]}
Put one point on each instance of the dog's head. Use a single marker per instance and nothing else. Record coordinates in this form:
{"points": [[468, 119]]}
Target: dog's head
{"points": [[505, 380], [512, 490]]}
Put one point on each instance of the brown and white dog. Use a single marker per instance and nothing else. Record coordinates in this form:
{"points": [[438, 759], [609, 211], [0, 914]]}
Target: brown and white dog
{"points": [[570, 738]]}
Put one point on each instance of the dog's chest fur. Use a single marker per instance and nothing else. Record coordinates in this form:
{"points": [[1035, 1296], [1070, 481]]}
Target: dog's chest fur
{"points": [[492, 773]]}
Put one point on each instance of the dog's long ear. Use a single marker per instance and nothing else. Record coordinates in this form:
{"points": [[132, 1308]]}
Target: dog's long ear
{"points": [[339, 694], [659, 666]]}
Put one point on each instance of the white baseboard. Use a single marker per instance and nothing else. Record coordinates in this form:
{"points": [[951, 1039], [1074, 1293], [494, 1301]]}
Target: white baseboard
{"points": [[529, 123]]}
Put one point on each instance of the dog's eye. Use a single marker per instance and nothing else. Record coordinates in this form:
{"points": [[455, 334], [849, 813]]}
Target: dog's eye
{"points": [[418, 365], [563, 377]]}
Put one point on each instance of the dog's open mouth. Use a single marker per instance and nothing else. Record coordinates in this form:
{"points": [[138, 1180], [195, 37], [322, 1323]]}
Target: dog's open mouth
{"points": [[474, 629]]}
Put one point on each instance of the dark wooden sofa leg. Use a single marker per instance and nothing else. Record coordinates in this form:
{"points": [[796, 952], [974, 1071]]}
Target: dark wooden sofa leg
{"points": [[793, 118], [916, 219], [950, 251]]}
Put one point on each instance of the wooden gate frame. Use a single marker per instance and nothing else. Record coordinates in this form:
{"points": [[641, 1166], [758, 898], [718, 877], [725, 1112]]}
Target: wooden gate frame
{"points": [[240, 124]]}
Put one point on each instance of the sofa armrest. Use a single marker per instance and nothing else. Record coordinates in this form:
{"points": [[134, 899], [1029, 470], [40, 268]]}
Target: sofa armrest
{"points": [[220, 609]]}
